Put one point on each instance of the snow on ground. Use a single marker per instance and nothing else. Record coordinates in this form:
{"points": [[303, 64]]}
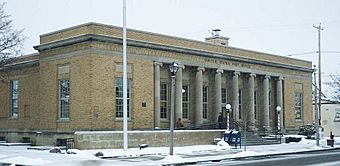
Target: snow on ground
{"points": [[151, 155]]}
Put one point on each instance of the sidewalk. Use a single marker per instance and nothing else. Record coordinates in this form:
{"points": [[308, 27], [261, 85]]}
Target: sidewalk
{"points": [[154, 155], [187, 155]]}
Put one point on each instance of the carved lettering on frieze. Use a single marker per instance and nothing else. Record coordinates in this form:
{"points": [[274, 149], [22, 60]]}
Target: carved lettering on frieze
{"points": [[227, 63]]}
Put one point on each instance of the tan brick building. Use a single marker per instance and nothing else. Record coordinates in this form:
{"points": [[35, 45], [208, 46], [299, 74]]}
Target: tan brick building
{"points": [[75, 83]]}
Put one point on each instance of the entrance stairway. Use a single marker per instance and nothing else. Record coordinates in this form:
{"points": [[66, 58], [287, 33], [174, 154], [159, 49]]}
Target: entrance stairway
{"points": [[259, 136], [253, 137]]}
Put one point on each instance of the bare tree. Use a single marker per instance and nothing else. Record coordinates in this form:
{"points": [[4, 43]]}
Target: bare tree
{"points": [[11, 40], [336, 86]]}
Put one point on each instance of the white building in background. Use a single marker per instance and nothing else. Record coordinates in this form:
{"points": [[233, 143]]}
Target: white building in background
{"points": [[330, 118]]}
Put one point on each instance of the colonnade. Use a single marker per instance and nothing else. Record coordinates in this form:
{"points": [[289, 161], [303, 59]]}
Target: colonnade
{"points": [[198, 100]]}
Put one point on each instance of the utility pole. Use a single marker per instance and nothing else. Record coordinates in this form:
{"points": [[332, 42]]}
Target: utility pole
{"points": [[317, 136], [319, 28]]}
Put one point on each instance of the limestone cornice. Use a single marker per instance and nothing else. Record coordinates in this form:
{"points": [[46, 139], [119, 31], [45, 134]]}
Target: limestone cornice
{"points": [[143, 44], [20, 65]]}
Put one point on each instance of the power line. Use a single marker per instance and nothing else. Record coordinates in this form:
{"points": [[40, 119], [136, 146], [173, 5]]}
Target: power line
{"points": [[274, 27], [330, 52], [304, 53]]}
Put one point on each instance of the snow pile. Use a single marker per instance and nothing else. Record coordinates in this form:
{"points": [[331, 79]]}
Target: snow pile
{"points": [[173, 159], [19, 160], [222, 145], [72, 151], [306, 141], [247, 153]]}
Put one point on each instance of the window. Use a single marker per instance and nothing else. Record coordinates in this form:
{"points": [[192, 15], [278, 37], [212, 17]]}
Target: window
{"points": [[255, 104], [298, 106], [14, 98], [205, 102], [224, 96], [164, 101], [240, 104], [223, 99], [185, 102], [119, 97], [64, 98]]}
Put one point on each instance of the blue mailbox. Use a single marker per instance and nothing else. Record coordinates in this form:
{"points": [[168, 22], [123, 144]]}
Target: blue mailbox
{"points": [[236, 138], [233, 138], [227, 136]]}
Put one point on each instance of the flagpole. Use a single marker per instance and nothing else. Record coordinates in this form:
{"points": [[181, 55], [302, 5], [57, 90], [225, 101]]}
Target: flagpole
{"points": [[125, 123]]}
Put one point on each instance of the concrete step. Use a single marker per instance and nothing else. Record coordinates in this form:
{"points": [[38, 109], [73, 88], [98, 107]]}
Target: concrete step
{"points": [[252, 143], [253, 139]]}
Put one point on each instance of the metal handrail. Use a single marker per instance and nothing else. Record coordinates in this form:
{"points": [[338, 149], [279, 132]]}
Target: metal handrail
{"points": [[233, 125]]}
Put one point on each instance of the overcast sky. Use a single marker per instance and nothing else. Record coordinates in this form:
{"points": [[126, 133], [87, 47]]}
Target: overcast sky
{"points": [[280, 27]]}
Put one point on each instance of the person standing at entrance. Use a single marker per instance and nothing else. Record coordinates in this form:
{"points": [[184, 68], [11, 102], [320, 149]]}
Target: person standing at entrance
{"points": [[179, 123]]}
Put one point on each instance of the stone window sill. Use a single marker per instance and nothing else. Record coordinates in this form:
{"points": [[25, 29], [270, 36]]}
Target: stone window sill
{"points": [[64, 120]]}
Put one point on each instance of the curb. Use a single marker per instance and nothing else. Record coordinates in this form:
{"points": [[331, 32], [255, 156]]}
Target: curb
{"points": [[258, 156], [286, 153]]}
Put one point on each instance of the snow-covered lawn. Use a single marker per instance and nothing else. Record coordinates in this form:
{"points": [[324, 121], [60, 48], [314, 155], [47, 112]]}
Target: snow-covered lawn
{"points": [[150, 155]]}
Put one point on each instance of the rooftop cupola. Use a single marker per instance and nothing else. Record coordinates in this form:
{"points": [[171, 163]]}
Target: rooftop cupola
{"points": [[217, 39]]}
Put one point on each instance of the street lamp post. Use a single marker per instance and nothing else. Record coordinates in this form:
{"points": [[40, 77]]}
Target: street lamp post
{"points": [[173, 69], [278, 109], [228, 108]]}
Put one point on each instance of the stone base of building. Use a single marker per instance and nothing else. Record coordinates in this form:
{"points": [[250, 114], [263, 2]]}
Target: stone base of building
{"points": [[113, 139], [160, 138], [38, 138]]}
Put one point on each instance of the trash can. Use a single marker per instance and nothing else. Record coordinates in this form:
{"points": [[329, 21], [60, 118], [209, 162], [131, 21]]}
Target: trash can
{"points": [[330, 142]]}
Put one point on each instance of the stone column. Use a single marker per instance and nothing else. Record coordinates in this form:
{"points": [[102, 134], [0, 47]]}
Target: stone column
{"points": [[251, 111], [266, 102], [217, 95], [279, 99], [157, 99], [235, 101], [179, 87], [199, 96]]}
